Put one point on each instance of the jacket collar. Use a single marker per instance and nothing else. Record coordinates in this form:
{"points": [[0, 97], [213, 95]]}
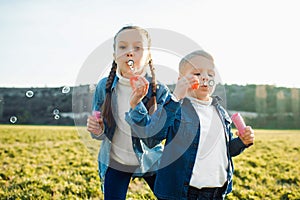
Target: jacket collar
{"points": [[216, 100], [116, 79]]}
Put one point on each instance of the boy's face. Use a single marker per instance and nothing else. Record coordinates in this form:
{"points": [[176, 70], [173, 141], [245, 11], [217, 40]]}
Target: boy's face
{"points": [[203, 68]]}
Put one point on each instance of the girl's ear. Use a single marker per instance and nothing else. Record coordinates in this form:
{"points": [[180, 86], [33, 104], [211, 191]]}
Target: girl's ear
{"points": [[114, 56]]}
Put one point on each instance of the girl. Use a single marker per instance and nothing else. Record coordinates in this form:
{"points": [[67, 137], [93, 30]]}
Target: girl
{"points": [[122, 154]]}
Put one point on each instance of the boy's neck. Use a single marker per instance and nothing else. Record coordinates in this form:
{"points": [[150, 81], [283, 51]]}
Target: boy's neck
{"points": [[207, 101]]}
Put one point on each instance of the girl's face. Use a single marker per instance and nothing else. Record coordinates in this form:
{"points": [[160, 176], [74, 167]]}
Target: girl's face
{"points": [[203, 68], [131, 44]]}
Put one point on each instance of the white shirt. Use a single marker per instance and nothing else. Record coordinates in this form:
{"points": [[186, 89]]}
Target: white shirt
{"points": [[211, 163], [122, 150]]}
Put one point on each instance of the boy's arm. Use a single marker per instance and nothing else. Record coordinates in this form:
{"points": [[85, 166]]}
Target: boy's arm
{"points": [[245, 140], [156, 125], [236, 146]]}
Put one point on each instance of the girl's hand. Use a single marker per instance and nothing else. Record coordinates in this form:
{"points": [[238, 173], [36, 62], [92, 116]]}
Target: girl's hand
{"points": [[183, 84], [247, 137], [139, 92], [95, 125]]}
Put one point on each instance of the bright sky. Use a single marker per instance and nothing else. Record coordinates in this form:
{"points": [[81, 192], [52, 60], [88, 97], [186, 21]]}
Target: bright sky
{"points": [[45, 43]]}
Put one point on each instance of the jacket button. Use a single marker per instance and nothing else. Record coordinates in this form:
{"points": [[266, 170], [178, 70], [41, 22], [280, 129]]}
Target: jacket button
{"points": [[185, 183]]}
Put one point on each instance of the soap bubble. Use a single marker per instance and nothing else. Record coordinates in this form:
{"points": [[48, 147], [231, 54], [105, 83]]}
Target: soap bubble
{"points": [[56, 117], [13, 119], [55, 112], [92, 88], [29, 94], [211, 82], [65, 89]]}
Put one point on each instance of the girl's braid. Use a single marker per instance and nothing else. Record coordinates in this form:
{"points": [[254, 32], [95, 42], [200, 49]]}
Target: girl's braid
{"points": [[111, 77], [152, 104], [107, 109]]}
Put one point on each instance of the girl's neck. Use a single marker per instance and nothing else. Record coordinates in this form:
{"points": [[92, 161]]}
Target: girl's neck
{"points": [[122, 79], [141, 72]]}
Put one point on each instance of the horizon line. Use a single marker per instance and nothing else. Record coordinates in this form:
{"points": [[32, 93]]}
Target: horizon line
{"points": [[71, 86]]}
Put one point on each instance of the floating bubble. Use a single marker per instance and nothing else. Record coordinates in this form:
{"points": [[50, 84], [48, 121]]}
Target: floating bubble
{"points": [[13, 119], [56, 117], [211, 83], [65, 89], [92, 88], [29, 94], [55, 112]]}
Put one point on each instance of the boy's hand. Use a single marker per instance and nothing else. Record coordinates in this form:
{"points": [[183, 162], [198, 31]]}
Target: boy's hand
{"points": [[183, 84], [95, 125], [247, 137], [139, 92]]}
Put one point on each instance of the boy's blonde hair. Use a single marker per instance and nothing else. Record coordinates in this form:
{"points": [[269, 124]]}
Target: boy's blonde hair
{"points": [[186, 59]]}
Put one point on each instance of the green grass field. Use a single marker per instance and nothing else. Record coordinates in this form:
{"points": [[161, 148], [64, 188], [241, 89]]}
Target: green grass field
{"points": [[51, 162]]}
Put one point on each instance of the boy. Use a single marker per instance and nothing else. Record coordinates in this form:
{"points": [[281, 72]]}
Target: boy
{"points": [[197, 159]]}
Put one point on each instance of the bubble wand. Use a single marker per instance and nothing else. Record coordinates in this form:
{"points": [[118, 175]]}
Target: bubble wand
{"points": [[238, 122], [96, 114], [206, 83], [130, 64], [134, 78]]}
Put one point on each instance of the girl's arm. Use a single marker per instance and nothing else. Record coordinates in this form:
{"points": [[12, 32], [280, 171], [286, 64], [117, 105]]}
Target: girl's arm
{"points": [[96, 125]]}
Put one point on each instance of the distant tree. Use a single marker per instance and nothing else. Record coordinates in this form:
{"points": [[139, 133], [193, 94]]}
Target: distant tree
{"points": [[295, 106], [280, 109], [261, 104], [1, 106], [249, 98], [261, 99]]}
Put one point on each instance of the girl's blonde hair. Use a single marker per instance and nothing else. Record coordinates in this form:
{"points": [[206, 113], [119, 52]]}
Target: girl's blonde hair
{"points": [[107, 107]]}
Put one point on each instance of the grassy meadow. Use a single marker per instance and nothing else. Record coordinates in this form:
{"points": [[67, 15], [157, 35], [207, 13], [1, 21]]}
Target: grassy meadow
{"points": [[52, 162]]}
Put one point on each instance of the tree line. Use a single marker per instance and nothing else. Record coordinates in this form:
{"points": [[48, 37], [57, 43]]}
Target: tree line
{"points": [[262, 106]]}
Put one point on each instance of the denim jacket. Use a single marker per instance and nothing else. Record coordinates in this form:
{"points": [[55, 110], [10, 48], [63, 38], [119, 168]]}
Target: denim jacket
{"points": [[147, 150], [181, 130]]}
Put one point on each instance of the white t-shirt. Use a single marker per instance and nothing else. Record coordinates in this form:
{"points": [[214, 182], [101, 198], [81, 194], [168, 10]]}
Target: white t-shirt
{"points": [[211, 163], [122, 150]]}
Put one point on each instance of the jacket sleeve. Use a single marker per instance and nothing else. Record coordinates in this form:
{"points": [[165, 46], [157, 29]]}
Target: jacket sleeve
{"points": [[98, 100], [155, 126], [236, 146]]}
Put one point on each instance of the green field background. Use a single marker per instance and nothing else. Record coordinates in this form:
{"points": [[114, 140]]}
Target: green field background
{"points": [[56, 162]]}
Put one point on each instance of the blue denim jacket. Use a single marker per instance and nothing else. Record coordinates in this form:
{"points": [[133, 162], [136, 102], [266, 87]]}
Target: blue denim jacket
{"points": [[182, 131], [148, 150]]}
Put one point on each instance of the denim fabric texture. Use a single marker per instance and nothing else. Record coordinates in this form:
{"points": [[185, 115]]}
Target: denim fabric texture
{"points": [[181, 129], [147, 150]]}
